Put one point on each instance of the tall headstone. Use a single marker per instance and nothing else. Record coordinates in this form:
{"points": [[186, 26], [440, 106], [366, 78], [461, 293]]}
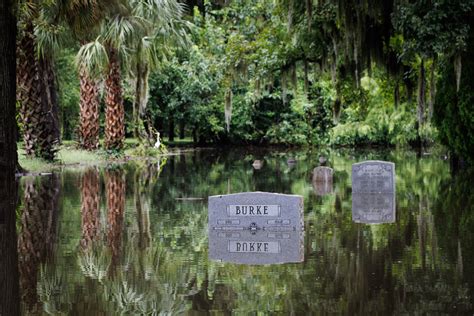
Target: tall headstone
{"points": [[323, 180], [373, 192], [373, 176], [256, 228]]}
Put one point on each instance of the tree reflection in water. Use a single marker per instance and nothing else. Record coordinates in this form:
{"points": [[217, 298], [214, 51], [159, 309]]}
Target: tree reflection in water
{"points": [[156, 244], [37, 239], [9, 275]]}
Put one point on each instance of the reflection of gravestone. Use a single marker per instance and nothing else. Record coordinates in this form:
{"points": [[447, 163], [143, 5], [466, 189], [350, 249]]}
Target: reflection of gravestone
{"points": [[256, 228], [373, 208], [323, 180], [373, 192]]}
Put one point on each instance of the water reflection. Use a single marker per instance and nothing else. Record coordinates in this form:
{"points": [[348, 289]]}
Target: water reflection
{"points": [[261, 247], [373, 208], [9, 275], [133, 248], [37, 240]]}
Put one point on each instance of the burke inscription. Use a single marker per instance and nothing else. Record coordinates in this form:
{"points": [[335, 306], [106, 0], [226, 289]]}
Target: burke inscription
{"points": [[254, 210]]}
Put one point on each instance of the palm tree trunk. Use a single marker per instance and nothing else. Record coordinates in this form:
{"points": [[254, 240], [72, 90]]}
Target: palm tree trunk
{"points": [[89, 111], [114, 113], [38, 114], [50, 94], [8, 151], [28, 89]]}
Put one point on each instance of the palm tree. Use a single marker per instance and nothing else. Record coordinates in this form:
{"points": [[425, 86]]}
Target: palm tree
{"points": [[105, 55], [164, 26], [83, 19], [35, 87]]}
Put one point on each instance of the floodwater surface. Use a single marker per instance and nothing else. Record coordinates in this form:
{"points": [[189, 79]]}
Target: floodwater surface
{"points": [[133, 239]]}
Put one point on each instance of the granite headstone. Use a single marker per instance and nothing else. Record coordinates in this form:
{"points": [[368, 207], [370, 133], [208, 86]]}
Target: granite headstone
{"points": [[373, 176], [373, 192], [323, 180], [256, 228]]}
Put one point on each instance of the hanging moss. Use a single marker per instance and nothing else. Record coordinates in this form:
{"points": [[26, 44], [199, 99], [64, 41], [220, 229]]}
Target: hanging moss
{"points": [[458, 70], [228, 108]]}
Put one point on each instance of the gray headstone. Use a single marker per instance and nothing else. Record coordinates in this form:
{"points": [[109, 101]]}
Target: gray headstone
{"points": [[259, 210], [373, 208], [256, 228], [373, 177], [323, 180]]}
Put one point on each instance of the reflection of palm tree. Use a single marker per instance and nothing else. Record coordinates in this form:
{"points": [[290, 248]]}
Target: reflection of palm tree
{"points": [[38, 233], [115, 189], [90, 207], [10, 296], [145, 178]]}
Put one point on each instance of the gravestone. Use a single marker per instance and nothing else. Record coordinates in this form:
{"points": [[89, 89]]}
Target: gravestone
{"points": [[256, 228], [373, 208], [373, 192], [373, 176], [323, 180]]}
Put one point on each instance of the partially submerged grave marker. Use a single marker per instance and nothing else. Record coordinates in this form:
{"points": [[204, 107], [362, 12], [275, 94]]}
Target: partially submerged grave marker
{"points": [[256, 228], [373, 192]]}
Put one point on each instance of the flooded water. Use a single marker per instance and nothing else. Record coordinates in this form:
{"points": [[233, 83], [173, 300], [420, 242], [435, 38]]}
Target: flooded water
{"points": [[134, 239]]}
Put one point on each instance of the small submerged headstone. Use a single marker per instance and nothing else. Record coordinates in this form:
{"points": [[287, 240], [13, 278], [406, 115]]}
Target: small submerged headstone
{"points": [[323, 180], [256, 228], [373, 192], [257, 164]]}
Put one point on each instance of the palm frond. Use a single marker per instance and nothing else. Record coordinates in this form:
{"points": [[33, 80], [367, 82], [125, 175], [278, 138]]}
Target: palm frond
{"points": [[93, 56]]}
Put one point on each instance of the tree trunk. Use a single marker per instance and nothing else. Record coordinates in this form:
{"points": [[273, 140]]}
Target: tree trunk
{"points": [[306, 80], [141, 98], [89, 111], [432, 89], [114, 113], [9, 277], [195, 137], [50, 97], [420, 110], [29, 90], [8, 150], [396, 94], [182, 128], [171, 129]]}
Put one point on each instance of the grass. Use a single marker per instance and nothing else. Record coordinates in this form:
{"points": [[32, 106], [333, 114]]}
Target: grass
{"points": [[69, 155]]}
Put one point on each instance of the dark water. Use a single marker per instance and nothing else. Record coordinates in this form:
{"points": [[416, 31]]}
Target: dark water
{"points": [[119, 240]]}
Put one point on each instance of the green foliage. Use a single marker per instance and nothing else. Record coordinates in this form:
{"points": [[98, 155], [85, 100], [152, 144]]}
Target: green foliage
{"points": [[454, 111], [68, 86]]}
